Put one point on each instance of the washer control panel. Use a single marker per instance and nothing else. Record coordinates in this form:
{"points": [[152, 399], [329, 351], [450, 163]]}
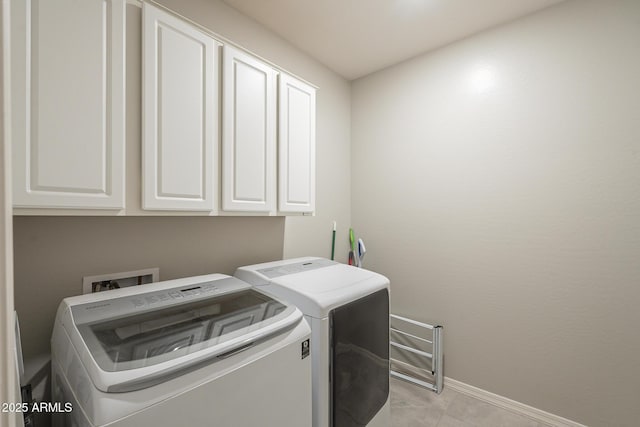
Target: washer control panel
{"points": [[116, 307]]}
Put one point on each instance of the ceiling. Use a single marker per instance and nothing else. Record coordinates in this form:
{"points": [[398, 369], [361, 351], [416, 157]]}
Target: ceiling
{"points": [[358, 37]]}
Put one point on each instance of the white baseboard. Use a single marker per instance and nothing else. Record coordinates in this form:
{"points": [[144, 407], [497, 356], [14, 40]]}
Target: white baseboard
{"points": [[510, 405]]}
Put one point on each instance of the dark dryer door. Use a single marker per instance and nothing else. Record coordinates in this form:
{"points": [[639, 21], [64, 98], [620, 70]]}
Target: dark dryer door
{"points": [[360, 359]]}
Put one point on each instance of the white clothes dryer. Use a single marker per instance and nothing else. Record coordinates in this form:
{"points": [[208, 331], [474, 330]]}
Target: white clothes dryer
{"points": [[202, 351], [348, 309]]}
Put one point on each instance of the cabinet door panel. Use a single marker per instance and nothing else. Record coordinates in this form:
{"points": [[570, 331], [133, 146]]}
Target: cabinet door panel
{"points": [[68, 103], [180, 114], [248, 166], [297, 113]]}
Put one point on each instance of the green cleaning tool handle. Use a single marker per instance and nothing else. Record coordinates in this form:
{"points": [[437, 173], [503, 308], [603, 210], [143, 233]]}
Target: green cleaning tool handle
{"points": [[352, 240]]}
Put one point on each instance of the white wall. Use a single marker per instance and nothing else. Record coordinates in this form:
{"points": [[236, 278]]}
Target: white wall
{"points": [[496, 181], [9, 383]]}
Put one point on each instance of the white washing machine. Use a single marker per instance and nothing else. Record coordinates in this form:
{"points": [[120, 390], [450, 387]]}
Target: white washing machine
{"points": [[200, 351], [348, 309]]}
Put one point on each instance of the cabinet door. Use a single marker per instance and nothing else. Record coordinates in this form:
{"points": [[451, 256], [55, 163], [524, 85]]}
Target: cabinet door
{"points": [[180, 116], [297, 146], [68, 103], [249, 133]]}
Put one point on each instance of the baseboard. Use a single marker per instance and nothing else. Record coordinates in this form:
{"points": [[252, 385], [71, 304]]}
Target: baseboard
{"points": [[510, 405]]}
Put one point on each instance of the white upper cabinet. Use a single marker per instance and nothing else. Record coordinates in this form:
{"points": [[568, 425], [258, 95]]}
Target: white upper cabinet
{"points": [[248, 133], [219, 135], [68, 103], [180, 114], [297, 146]]}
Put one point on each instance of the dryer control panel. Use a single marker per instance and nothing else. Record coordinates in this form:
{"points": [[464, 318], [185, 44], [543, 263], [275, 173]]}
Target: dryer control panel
{"points": [[298, 267]]}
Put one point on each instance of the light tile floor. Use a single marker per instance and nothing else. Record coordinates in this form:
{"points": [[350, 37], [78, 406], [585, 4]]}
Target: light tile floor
{"points": [[413, 406]]}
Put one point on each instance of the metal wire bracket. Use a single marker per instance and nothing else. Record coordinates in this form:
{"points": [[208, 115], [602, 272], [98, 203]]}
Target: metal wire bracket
{"points": [[414, 344]]}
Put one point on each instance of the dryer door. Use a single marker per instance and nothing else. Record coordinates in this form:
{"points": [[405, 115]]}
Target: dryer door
{"points": [[360, 359]]}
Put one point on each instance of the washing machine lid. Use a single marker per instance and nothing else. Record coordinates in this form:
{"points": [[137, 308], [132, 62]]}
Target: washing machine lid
{"points": [[315, 285], [137, 338]]}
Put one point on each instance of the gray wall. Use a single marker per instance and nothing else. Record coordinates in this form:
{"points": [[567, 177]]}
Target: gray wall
{"points": [[53, 253], [497, 184]]}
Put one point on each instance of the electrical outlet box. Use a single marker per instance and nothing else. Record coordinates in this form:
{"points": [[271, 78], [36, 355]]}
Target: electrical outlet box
{"points": [[125, 279]]}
